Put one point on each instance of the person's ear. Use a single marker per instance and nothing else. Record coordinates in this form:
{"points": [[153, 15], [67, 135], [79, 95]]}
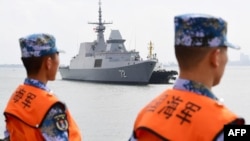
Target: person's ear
{"points": [[48, 63], [215, 57]]}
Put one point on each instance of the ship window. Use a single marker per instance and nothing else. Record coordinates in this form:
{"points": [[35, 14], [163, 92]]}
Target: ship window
{"points": [[98, 63]]}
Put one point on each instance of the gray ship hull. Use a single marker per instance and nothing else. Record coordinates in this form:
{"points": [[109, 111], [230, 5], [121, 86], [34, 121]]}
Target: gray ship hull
{"points": [[139, 73], [108, 61]]}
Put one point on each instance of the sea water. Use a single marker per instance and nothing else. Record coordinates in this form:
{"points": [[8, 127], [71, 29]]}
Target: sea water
{"points": [[107, 111]]}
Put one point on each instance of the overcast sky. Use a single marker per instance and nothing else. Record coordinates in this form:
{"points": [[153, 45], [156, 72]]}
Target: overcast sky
{"points": [[139, 21]]}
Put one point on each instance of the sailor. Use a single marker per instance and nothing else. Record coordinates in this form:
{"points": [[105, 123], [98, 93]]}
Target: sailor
{"points": [[190, 111], [33, 112]]}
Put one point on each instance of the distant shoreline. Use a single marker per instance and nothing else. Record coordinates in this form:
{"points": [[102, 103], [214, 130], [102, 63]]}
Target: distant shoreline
{"points": [[165, 65], [12, 65]]}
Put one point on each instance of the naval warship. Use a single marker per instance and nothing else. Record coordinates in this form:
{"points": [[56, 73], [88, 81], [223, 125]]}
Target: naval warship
{"points": [[108, 61]]}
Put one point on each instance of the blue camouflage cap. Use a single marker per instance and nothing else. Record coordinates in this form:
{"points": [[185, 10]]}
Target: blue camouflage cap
{"points": [[200, 30], [38, 45]]}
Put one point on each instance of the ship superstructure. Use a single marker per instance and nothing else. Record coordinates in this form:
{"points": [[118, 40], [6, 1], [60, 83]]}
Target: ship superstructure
{"points": [[107, 61]]}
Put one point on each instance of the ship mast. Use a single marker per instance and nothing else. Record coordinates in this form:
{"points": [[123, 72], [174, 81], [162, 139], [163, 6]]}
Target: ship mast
{"points": [[150, 54], [100, 26]]}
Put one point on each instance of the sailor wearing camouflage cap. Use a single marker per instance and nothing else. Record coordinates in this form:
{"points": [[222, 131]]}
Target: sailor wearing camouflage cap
{"points": [[190, 111], [33, 108]]}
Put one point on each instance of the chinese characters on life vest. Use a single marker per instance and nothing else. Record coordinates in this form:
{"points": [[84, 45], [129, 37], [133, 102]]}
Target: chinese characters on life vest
{"points": [[167, 105], [21, 95]]}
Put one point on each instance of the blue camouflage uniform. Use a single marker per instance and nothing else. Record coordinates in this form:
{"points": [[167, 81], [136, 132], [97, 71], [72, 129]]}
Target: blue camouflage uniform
{"points": [[48, 129]]}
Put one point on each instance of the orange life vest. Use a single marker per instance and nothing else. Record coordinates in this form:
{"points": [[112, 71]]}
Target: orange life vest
{"points": [[178, 115], [26, 110]]}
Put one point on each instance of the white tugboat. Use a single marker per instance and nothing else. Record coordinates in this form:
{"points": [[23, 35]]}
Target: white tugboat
{"points": [[108, 61]]}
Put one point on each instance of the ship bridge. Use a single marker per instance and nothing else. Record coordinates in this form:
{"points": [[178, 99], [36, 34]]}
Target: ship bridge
{"points": [[115, 43]]}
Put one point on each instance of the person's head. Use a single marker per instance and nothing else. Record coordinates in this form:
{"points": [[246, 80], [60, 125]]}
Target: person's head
{"points": [[201, 44], [40, 56]]}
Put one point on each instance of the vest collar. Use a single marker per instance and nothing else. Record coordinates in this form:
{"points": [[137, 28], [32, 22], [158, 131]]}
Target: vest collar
{"points": [[192, 86], [36, 83]]}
